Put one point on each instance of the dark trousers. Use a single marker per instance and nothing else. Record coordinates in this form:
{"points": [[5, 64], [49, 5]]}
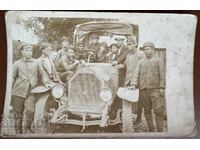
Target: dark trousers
{"points": [[139, 110], [23, 107], [152, 99], [117, 103]]}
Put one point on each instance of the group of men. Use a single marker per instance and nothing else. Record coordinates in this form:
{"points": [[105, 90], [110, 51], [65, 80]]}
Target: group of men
{"points": [[27, 74], [146, 71], [137, 69], [143, 70]]}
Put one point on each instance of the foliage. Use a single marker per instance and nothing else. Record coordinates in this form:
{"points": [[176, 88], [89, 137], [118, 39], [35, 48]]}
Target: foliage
{"points": [[53, 29]]}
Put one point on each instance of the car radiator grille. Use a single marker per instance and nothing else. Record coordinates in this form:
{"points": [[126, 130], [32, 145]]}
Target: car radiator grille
{"points": [[84, 91]]}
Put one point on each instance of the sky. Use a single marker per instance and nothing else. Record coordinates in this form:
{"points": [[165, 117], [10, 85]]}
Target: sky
{"points": [[20, 33]]}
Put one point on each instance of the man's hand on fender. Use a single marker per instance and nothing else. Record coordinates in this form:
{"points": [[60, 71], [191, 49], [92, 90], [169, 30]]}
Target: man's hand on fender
{"points": [[76, 62], [48, 85], [133, 87], [120, 66]]}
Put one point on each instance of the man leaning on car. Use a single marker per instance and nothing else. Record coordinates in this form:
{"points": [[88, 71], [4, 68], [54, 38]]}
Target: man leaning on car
{"points": [[25, 77]]}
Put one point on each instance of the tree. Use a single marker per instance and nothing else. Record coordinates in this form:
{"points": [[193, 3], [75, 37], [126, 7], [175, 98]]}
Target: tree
{"points": [[53, 29]]}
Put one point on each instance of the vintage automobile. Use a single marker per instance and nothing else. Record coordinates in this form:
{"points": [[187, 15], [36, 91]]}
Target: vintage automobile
{"points": [[93, 88]]}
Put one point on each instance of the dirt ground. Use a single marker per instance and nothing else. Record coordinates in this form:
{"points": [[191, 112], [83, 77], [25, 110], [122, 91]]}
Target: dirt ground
{"points": [[142, 127], [58, 129]]}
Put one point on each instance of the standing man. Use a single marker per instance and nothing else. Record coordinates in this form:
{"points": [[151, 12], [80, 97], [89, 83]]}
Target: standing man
{"points": [[46, 102], [121, 56], [150, 78], [130, 63], [132, 59], [47, 63], [25, 77]]}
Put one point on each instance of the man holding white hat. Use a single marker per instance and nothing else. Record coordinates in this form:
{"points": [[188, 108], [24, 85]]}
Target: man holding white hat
{"points": [[149, 76], [130, 63]]}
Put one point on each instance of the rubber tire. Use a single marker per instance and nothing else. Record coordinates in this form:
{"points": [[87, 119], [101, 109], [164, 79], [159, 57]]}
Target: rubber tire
{"points": [[127, 119]]}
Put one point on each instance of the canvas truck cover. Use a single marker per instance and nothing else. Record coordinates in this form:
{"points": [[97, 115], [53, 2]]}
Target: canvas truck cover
{"points": [[83, 30]]}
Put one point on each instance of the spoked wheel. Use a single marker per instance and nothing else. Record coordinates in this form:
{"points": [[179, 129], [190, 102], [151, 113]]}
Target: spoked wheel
{"points": [[127, 119]]}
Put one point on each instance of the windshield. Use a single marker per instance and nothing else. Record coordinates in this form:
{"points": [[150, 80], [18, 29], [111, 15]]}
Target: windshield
{"points": [[101, 42]]}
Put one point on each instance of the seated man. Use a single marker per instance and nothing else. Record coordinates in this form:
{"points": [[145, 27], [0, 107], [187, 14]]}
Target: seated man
{"points": [[68, 65], [80, 48], [65, 45], [94, 42], [101, 56], [112, 56], [25, 77], [54, 57]]}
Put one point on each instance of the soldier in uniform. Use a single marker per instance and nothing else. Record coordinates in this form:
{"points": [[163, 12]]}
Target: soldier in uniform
{"points": [[25, 77], [150, 78]]}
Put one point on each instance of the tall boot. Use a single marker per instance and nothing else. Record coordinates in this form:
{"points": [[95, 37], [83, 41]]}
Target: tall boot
{"points": [[139, 114], [27, 128], [127, 117], [149, 120], [160, 123], [18, 125]]}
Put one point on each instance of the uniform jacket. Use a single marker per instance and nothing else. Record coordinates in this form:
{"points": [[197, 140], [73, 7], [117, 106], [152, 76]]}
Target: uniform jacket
{"points": [[149, 73], [53, 74], [130, 63], [26, 75]]}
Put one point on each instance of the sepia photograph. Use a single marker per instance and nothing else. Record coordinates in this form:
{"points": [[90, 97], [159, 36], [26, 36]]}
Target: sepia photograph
{"points": [[98, 74]]}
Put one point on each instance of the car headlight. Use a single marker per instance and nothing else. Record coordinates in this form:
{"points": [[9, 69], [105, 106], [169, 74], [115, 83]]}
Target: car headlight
{"points": [[57, 91], [106, 94]]}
